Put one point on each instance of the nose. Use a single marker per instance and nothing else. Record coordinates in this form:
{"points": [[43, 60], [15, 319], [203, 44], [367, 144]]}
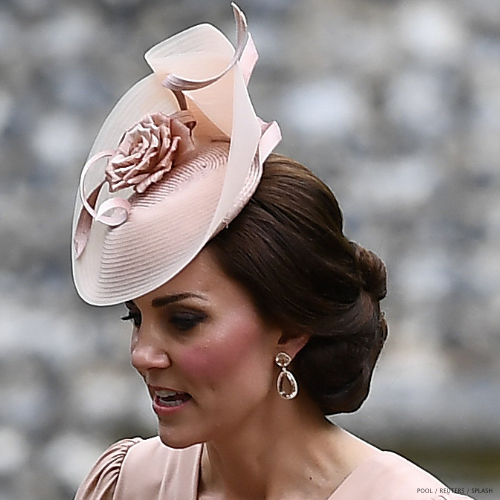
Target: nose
{"points": [[148, 350]]}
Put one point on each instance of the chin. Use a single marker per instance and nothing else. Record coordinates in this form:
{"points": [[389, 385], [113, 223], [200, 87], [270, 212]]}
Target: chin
{"points": [[175, 439]]}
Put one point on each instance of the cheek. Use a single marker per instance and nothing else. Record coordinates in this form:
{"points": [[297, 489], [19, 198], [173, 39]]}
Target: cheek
{"points": [[238, 346]]}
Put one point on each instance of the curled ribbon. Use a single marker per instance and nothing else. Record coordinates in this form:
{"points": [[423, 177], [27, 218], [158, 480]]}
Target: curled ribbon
{"points": [[243, 39], [112, 212], [121, 205]]}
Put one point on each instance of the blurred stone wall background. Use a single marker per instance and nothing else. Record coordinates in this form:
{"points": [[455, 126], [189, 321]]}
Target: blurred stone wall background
{"points": [[396, 104]]}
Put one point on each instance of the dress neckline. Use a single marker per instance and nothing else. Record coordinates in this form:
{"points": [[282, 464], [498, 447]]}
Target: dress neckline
{"points": [[353, 475], [333, 496]]}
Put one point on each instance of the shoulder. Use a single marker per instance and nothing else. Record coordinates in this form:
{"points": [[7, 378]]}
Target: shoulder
{"points": [[389, 476], [137, 466], [100, 483]]}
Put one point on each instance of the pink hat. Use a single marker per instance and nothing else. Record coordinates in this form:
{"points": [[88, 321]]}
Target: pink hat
{"points": [[175, 161]]}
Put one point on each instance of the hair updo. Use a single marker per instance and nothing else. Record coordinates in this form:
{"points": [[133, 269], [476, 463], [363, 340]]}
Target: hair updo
{"points": [[288, 250]]}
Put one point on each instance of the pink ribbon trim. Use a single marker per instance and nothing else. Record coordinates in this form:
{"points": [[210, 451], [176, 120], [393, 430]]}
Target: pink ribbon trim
{"points": [[112, 212], [270, 138], [119, 207], [179, 84]]}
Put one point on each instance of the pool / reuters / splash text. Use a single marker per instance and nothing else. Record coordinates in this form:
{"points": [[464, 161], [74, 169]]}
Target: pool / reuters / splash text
{"points": [[458, 491]]}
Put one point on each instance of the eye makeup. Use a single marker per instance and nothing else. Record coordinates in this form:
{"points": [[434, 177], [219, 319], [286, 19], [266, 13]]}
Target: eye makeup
{"points": [[185, 320]]}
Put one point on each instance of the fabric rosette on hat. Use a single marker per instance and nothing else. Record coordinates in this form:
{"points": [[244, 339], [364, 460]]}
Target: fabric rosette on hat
{"points": [[148, 151], [176, 160]]}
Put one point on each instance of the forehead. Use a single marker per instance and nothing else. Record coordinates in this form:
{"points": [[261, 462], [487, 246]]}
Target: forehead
{"points": [[202, 276]]}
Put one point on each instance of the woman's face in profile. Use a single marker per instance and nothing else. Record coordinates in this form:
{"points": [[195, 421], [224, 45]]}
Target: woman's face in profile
{"points": [[204, 352]]}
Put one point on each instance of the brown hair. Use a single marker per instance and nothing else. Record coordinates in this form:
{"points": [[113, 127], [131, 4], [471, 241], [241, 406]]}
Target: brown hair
{"points": [[287, 248]]}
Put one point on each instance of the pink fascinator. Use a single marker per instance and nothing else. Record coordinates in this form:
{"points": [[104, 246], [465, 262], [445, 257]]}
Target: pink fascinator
{"points": [[176, 160]]}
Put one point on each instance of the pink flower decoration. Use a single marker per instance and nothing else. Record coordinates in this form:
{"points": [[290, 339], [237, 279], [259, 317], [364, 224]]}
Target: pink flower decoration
{"points": [[148, 150]]}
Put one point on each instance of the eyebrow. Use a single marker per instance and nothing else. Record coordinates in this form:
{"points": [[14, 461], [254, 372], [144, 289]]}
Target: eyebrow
{"points": [[169, 299]]}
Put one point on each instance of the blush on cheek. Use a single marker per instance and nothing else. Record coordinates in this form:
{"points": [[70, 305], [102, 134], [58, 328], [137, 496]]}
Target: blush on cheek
{"points": [[223, 354]]}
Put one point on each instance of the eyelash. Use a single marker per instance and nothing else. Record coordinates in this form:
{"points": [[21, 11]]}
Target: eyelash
{"points": [[183, 321], [133, 316]]}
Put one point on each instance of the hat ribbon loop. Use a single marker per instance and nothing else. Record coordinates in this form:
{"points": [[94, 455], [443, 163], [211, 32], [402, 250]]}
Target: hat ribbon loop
{"points": [[112, 212], [245, 51], [246, 54], [119, 207]]}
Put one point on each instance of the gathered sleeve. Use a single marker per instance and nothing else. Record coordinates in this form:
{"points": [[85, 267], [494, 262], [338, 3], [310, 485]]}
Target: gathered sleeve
{"points": [[101, 481]]}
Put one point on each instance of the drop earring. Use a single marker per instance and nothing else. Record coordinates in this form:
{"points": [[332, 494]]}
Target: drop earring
{"points": [[283, 360]]}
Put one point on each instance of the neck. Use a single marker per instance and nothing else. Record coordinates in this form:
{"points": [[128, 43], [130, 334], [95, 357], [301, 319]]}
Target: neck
{"points": [[288, 451]]}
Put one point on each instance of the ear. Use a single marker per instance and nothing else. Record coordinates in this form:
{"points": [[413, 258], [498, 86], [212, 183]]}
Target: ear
{"points": [[292, 345]]}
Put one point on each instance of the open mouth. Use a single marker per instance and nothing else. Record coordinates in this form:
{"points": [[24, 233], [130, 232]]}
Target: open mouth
{"points": [[170, 399]]}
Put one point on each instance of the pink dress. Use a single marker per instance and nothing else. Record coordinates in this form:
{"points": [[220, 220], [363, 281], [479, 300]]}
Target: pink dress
{"points": [[136, 469]]}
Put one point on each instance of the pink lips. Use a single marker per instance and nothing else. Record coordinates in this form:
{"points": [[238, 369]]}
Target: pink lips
{"points": [[168, 401]]}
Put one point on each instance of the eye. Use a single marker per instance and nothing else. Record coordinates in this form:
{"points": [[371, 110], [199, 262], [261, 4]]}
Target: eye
{"points": [[133, 315], [187, 320]]}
